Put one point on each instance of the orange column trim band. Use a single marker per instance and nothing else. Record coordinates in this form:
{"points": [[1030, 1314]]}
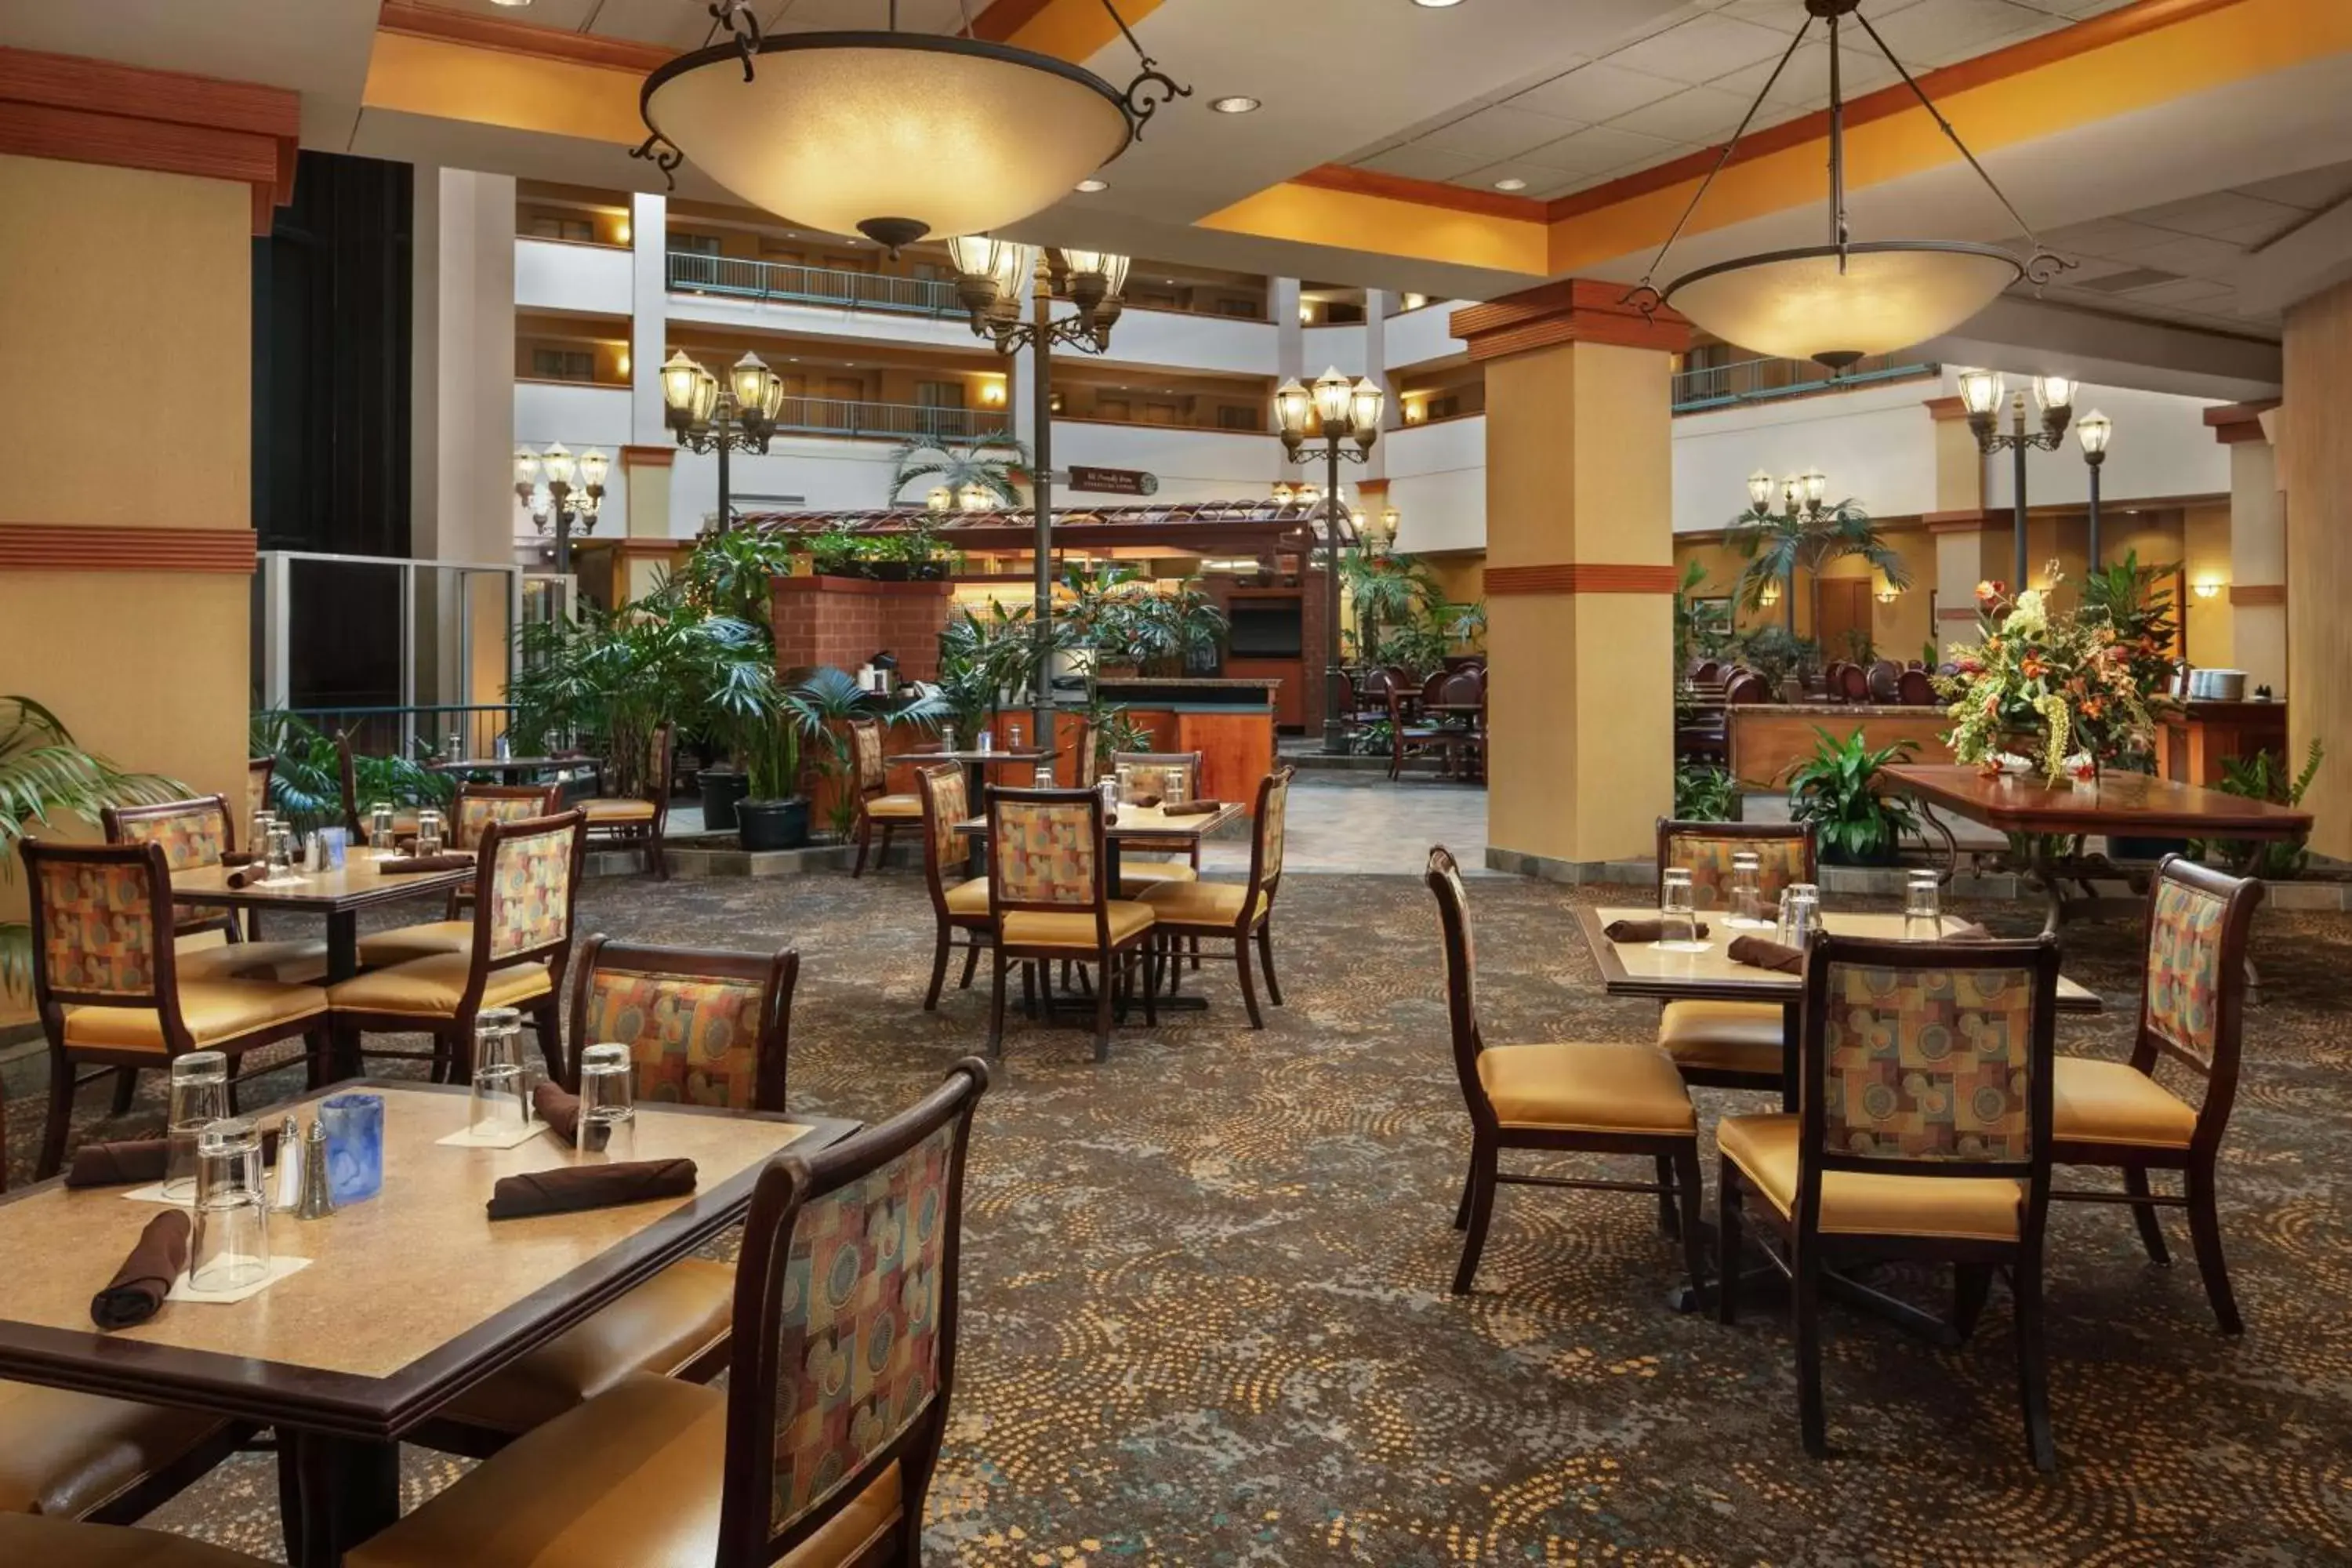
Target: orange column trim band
{"points": [[1581, 577], [648, 457], [1968, 521], [1575, 309], [41, 547], [2258, 594]]}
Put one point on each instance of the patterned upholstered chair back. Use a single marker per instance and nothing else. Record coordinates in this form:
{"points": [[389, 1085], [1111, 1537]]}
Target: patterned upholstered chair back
{"points": [[530, 877], [2194, 996], [703, 1028], [866, 751], [1152, 773], [1932, 1056], [845, 1310], [1458, 951], [97, 934], [196, 832], [258, 772], [944, 806], [1045, 848], [478, 806], [1784, 854], [1272, 829]]}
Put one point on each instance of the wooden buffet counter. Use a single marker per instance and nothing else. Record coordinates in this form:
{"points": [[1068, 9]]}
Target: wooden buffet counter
{"points": [[1768, 740], [1228, 720], [2197, 737]]}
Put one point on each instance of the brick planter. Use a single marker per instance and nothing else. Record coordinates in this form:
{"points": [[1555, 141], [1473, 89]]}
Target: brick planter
{"points": [[845, 621]]}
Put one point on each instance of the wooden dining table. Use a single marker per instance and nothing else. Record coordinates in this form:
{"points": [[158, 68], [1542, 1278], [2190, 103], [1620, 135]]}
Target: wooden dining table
{"points": [[339, 894], [410, 1298]]}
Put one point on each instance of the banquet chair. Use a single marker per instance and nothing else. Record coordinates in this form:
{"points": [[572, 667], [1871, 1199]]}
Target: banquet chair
{"points": [[703, 1028], [107, 982], [1186, 912], [875, 804], [959, 904], [201, 832], [1732, 1045], [1913, 689], [1412, 732], [475, 807], [1155, 773], [1925, 1135], [657, 1470], [1049, 901], [637, 823], [2192, 1009], [1572, 1097], [526, 878]]}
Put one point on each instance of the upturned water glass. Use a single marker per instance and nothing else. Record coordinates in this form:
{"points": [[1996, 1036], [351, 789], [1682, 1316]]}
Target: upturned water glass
{"points": [[278, 853], [1923, 910], [1677, 909], [608, 1111], [1800, 914], [379, 830], [229, 1245], [1124, 777], [1747, 895], [428, 833], [500, 1101], [199, 1099]]}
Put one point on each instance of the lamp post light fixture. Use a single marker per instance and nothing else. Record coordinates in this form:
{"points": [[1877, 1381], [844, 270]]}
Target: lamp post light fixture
{"points": [[575, 488], [1980, 393], [2093, 430], [707, 414], [1344, 411], [1007, 288], [1802, 500]]}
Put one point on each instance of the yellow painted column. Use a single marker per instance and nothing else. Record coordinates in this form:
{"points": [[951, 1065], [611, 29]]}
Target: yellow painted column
{"points": [[1971, 544], [1579, 575], [2315, 469]]}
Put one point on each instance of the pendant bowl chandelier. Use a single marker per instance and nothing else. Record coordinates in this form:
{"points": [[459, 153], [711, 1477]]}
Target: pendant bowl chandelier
{"points": [[889, 134], [1838, 302]]}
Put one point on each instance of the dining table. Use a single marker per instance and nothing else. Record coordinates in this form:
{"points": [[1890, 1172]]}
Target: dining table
{"points": [[339, 893], [408, 1298]]}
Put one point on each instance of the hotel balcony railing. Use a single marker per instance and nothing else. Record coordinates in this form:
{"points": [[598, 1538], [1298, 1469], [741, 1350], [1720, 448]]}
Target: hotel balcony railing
{"points": [[794, 284], [902, 421], [1757, 379]]}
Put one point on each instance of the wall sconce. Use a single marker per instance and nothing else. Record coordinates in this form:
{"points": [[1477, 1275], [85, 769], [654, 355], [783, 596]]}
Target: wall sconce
{"points": [[992, 394], [620, 362], [2207, 587], [1887, 593], [1415, 412], [621, 232], [1770, 595]]}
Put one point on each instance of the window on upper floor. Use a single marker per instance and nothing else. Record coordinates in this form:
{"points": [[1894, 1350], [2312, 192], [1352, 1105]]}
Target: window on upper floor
{"points": [[550, 226], [1342, 313], [1160, 413], [1239, 416], [694, 244], [563, 364], [1114, 408], [1446, 406], [939, 395], [1248, 309]]}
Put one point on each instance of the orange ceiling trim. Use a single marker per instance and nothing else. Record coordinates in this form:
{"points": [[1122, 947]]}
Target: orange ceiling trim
{"points": [[440, 78], [648, 457], [72, 110], [1383, 225], [1425, 193], [1944, 409], [42, 547], [1071, 30], [1577, 309], [1581, 577], [412, 20]]}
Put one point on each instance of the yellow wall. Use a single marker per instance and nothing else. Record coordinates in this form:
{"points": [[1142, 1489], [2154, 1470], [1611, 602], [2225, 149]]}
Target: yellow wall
{"points": [[1898, 630], [2315, 472], [149, 669], [2205, 558]]}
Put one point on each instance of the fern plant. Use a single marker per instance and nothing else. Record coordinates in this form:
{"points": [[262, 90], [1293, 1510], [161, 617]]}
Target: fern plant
{"points": [[2264, 777]]}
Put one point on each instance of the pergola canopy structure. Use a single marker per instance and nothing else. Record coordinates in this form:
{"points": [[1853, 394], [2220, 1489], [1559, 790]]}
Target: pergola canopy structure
{"points": [[1208, 527]]}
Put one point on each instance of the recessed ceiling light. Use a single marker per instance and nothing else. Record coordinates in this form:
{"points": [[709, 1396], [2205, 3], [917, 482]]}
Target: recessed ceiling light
{"points": [[1435, 5], [1089, 187], [1511, 184], [1237, 104], [511, 4]]}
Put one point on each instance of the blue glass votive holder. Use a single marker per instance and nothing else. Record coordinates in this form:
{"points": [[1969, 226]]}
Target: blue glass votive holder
{"points": [[354, 1124]]}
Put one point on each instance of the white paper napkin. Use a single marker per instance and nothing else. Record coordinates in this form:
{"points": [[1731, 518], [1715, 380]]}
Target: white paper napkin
{"points": [[279, 1267], [494, 1137]]}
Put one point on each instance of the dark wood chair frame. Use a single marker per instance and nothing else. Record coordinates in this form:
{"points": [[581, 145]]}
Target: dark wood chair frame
{"points": [[871, 790], [1973, 1260], [1675, 1155], [1670, 829], [2239, 899], [979, 931], [648, 836], [548, 797], [51, 1001], [112, 820], [1410, 734], [746, 1539], [1251, 923], [1115, 960], [776, 973], [452, 1055]]}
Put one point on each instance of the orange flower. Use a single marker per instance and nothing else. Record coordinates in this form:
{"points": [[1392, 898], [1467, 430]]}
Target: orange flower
{"points": [[1989, 590], [2093, 706], [2031, 666]]}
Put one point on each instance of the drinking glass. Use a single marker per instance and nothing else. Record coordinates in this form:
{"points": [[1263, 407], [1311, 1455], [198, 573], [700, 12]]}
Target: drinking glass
{"points": [[1175, 787], [1042, 776], [500, 1101], [230, 1245], [1801, 913], [987, 742], [1109, 790], [1746, 896], [1922, 912], [199, 1099], [1677, 910], [608, 1112], [1124, 777], [428, 833], [380, 833], [278, 853], [354, 1146], [455, 747], [1016, 732], [258, 840]]}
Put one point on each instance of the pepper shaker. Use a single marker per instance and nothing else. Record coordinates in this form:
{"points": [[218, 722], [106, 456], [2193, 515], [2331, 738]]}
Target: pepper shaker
{"points": [[318, 1199]]}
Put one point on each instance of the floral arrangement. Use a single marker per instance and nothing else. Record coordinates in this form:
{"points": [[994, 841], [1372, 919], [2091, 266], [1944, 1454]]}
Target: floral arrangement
{"points": [[2061, 689]]}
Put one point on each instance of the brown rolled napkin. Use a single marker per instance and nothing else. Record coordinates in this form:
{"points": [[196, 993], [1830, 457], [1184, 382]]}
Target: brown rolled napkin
{"points": [[1193, 808], [425, 863], [1642, 930], [570, 1187], [252, 872], [559, 1110], [1146, 801], [131, 1161], [137, 1290], [237, 858], [1763, 952]]}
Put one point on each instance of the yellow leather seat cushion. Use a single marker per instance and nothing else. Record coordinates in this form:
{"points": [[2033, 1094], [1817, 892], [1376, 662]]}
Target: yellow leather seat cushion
{"points": [[1133, 873], [968, 898], [1204, 904], [1586, 1087], [293, 962], [213, 1010], [1859, 1203], [1046, 928], [630, 1479], [431, 987], [1727, 1037], [660, 1327], [896, 807], [2096, 1101], [426, 939], [604, 812], [61, 1543], [64, 1454]]}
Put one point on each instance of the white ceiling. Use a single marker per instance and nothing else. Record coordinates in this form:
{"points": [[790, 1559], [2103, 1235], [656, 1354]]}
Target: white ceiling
{"points": [[1682, 85]]}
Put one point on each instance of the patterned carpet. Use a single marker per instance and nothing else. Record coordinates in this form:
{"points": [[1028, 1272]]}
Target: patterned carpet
{"points": [[1206, 1317]]}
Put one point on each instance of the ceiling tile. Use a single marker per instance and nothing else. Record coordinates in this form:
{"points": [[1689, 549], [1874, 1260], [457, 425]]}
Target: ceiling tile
{"points": [[2198, 291], [1806, 81], [2314, 190], [2224, 215], [1703, 114], [2192, 257], [1538, 178], [1941, 31], [2114, 238], [1789, 15], [1601, 148], [566, 16], [1418, 161], [1595, 92], [1701, 49], [1504, 132]]}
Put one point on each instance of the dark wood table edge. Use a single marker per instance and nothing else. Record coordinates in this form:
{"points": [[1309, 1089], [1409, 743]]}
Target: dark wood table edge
{"points": [[278, 899], [2270, 821]]}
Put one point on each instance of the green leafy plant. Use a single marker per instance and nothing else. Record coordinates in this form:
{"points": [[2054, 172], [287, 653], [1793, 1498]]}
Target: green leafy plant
{"points": [[995, 463], [985, 657], [306, 785], [2264, 776], [1704, 792], [1384, 590], [1835, 790], [820, 706], [1126, 621], [914, 552], [730, 574], [1859, 648], [45, 779], [1777, 546], [1772, 653]]}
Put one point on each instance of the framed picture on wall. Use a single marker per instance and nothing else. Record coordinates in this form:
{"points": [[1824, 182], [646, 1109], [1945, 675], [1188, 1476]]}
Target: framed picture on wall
{"points": [[1712, 616]]}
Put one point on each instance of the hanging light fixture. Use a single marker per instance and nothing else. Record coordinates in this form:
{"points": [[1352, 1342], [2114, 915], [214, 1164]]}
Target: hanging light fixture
{"points": [[889, 134], [1838, 302]]}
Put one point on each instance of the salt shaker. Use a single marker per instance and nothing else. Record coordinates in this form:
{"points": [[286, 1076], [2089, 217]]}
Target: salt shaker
{"points": [[287, 1194]]}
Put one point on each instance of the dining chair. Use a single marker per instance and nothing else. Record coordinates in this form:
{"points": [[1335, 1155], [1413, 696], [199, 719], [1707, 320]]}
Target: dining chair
{"points": [[107, 984], [1913, 689], [1158, 772], [637, 823], [1049, 901], [1187, 913], [820, 1450], [526, 880], [959, 903], [876, 803], [1412, 731], [1561, 1096], [2192, 1009], [196, 833], [1924, 1135], [474, 807], [704, 1027], [1732, 1045]]}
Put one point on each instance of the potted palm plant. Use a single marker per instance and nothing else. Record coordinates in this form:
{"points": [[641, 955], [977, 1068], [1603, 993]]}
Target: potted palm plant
{"points": [[1777, 546], [989, 469], [773, 813]]}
